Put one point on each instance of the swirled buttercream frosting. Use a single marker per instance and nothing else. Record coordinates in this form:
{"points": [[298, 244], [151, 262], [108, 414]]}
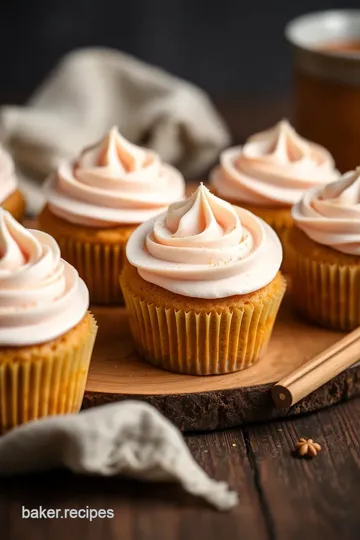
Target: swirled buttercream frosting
{"points": [[113, 182], [41, 295], [273, 168], [205, 248], [330, 215], [8, 181]]}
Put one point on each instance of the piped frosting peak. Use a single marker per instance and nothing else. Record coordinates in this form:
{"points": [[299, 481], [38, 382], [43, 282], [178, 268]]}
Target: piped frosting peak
{"points": [[113, 182], [41, 296], [273, 168], [204, 247]]}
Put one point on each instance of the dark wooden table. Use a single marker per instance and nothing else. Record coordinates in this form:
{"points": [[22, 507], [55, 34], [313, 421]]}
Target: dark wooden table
{"points": [[281, 497]]}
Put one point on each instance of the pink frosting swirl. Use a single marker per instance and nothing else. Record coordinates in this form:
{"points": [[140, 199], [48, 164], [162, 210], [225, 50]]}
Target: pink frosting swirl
{"points": [[206, 248], [330, 215], [113, 182], [41, 296], [8, 181], [273, 168]]}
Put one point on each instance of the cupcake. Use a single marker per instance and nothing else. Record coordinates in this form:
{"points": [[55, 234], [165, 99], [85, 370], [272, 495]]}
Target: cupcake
{"points": [[11, 198], [271, 172], [325, 253], [95, 202], [202, 286], [46, 333]]}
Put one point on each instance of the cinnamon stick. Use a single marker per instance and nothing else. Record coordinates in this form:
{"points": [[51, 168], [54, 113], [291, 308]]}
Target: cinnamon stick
{"points": [[317, 371]]}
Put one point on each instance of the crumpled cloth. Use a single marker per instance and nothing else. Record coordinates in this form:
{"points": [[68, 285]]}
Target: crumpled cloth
{"points": [[95, 88], [129, 438]]}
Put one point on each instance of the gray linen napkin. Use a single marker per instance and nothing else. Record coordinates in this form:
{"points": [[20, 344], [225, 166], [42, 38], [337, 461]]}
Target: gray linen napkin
{"points": [[93, 89], [130, 438]]}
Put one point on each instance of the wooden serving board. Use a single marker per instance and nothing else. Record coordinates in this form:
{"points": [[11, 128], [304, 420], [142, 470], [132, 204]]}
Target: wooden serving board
{"points": [[206, 403]]}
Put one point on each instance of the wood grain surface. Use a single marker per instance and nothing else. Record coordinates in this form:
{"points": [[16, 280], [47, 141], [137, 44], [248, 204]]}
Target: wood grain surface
{"points": [[282, 497], [205, 403]]}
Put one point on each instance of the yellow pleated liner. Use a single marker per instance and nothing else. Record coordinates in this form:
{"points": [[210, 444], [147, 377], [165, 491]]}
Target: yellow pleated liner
{"points": [[227, 337], [99, 266], [16, 205], [47, 379], [325, 282], [97, 254]]}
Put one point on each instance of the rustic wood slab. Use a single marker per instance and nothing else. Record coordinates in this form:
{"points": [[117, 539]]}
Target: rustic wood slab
{"points": [[206, 403]]}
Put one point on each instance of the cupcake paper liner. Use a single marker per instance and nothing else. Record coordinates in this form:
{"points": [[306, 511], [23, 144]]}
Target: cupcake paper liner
{"points": [[326, 293], [99, 265], [98, 254], [204, 343], [32, 387]]}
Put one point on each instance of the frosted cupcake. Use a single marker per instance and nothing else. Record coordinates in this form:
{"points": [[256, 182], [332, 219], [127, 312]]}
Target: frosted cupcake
{"points": [[95, 202], [271, 172], [325, 253], [202, 286], [46, 333], [11, 198]]}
